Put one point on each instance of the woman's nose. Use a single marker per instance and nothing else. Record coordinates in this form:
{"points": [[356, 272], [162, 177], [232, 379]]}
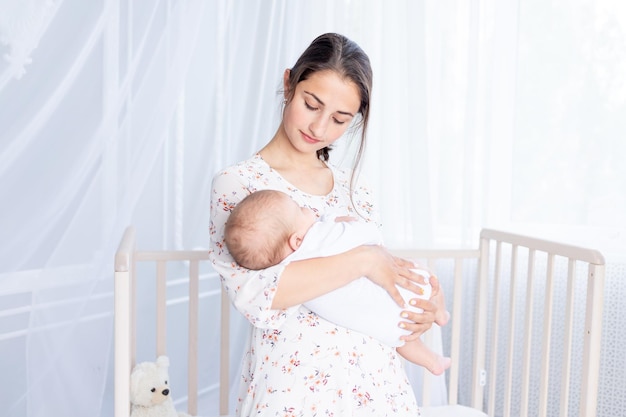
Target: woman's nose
{"points": [[318, 127]]}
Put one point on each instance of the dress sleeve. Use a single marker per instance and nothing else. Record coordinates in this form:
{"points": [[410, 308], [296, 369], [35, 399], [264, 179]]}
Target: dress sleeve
{"points": [[251, 292]]}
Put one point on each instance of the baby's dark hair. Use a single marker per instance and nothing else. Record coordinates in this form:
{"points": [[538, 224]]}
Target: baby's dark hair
{"points": [[255, 235]]}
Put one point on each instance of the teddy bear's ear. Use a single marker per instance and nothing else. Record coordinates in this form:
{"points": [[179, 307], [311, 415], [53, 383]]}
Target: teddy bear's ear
{"points": [[163, 361], [135, 378]]}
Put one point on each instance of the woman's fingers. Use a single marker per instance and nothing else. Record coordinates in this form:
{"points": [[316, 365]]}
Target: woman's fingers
{"points": [[417, 329], [388, 271], [397, 297], [411, 280], [414, 271], [412, 264], [411, 286], [418, 323]]}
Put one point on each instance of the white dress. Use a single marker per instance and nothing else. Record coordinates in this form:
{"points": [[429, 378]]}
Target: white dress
{"points": [[298, 364]]}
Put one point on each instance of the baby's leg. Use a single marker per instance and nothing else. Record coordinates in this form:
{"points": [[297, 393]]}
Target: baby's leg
{"points": [[418, 353]]}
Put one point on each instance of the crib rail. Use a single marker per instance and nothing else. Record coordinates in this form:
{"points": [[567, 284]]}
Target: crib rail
{"points": [[126, 259], [525, 313]]}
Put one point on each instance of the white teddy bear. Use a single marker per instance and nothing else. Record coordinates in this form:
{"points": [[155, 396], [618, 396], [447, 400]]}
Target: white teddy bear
{"points": [[150, 392]]}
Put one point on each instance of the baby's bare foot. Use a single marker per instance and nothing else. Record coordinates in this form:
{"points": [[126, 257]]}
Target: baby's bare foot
{"points": [[440, 365]]}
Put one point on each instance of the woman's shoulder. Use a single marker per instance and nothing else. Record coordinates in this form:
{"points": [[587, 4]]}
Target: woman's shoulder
{"points": [[253, 164], [251, 174], [252, 169]]}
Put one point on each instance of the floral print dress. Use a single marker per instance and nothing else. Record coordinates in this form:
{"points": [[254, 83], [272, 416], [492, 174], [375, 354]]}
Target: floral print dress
{"points": [[298, 364]]}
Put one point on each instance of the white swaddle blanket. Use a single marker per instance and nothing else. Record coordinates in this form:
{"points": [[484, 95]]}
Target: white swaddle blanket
{"points": [[360, 305]]}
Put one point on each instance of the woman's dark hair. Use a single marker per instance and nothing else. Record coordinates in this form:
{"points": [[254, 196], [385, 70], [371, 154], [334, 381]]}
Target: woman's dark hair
{"points": [[335, 52]]}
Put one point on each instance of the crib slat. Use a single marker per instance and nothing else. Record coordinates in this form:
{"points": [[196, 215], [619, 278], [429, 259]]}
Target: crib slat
{"points": [[567, 347], [593, 330], [547, 338], [427, 377], [495, 333], [123, 336], [192, 353], [224, 353], [161, 298], [133, 313], [528, 330], [455, 351], [124, 328], [508, 386], [480, 326]]}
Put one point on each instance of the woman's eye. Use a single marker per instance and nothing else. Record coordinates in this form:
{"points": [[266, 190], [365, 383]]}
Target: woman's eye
{"points": [[308, 106], [339, 122]]}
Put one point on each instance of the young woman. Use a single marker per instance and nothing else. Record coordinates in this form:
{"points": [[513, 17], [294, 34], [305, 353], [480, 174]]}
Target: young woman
{"points": [[298, 363]]}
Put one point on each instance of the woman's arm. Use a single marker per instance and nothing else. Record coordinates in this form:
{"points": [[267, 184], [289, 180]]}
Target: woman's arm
{"points": [[304, 280], [251, 292], [360, 305], [265, 297]]}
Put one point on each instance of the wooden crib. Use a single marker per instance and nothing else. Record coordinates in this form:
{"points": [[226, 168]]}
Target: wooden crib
{"points": [[524, 335]]}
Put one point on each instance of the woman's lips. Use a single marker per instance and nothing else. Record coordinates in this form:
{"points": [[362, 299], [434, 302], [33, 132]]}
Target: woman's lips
{"points": [[309, 139]]}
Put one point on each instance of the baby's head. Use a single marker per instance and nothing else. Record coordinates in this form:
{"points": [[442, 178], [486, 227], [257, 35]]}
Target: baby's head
{"points": [[264, 228]]}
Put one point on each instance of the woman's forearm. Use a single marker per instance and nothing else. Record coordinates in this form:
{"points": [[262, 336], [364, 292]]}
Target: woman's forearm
{"points": [[307, 279]]}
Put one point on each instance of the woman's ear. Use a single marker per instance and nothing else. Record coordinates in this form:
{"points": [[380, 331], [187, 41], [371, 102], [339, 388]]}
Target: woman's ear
{"points": [[295, 240], [286, 85]]}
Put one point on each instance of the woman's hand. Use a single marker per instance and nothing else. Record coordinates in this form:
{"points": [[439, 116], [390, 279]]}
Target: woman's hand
{"points": [[418, 323], [434, 310], [387, 271], [442, 316]]}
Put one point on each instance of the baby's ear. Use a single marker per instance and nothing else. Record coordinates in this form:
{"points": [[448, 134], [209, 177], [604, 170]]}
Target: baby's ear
{"points": [[295, 240]]}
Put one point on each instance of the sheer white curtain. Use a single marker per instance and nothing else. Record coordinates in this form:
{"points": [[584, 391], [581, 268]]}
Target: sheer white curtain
{"points": [[93, 131], [485, 113]]}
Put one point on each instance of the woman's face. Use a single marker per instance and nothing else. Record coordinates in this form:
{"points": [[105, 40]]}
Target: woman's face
{"points": [[322, 108]]}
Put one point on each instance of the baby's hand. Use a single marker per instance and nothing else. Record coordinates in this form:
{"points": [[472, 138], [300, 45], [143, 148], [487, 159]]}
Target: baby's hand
{"points": [[345, 219]]}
